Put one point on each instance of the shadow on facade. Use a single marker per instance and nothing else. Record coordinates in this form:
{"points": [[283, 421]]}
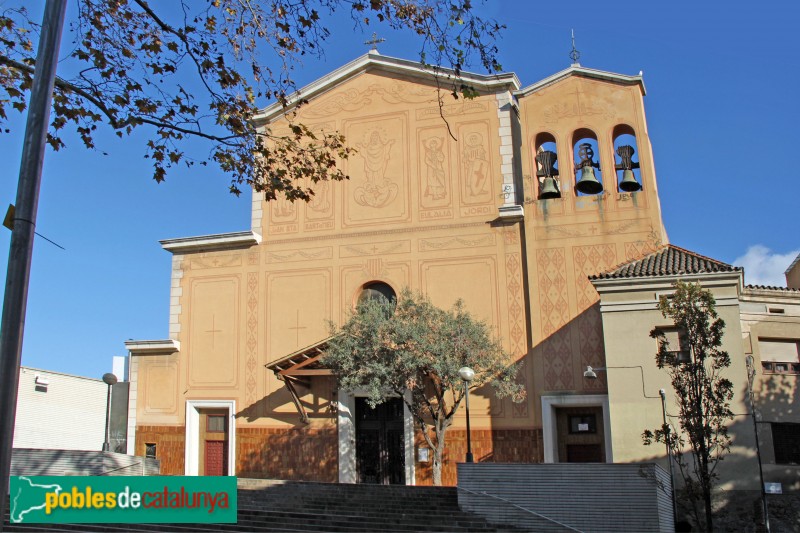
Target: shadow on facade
{"points": [[775, 399], [318, 401], [307, 453], [296, 451], [737, 502]]}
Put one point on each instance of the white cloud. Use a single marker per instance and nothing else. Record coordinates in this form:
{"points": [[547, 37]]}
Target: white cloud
{"points": [[762, 266]]}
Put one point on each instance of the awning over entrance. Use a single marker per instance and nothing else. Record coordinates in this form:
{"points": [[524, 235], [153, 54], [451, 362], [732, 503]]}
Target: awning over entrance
{"points": [[298, 368]]}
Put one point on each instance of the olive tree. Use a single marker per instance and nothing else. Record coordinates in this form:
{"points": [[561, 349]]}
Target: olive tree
{"points": [[413, 349]]}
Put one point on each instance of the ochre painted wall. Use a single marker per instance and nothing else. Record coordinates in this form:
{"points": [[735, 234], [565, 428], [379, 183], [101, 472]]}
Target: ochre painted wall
{"points": [[420, 211]]}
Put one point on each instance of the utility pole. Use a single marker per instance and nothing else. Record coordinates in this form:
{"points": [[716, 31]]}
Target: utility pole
{"points": [[19, 257]]}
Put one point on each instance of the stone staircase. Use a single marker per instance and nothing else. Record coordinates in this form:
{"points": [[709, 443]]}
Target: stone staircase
{"points": [[269, 505]]}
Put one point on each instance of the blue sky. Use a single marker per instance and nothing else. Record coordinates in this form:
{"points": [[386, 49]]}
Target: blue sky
{"points": [[722, 113]]}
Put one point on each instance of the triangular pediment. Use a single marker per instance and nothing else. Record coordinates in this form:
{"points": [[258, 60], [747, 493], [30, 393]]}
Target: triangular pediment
{"points": [[377, 64], [582, 72]]}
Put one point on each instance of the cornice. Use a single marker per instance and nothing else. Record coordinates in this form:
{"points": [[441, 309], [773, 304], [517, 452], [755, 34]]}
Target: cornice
{"points": [[153, 347]]}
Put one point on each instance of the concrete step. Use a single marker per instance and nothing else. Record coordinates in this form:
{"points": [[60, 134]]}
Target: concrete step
{"points": [[279, 506]]}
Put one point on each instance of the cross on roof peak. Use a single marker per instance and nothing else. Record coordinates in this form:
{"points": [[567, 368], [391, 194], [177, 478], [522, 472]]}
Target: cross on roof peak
{"points": [[375, 41], [574, 54]]}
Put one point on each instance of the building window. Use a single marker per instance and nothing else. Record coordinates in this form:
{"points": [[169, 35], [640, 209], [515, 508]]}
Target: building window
{"points": [[377, 291], [582, 424], [676, 346], [216, 423], [786, 441], [150, 450], [779, 356]]}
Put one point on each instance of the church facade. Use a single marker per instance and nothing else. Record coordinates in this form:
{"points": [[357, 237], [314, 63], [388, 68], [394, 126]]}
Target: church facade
{"points": [[510, 201]]}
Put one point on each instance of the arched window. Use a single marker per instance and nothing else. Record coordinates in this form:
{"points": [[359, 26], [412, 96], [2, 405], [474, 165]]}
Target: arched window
{"points": [[629, 178], [546, 163], [377, 290], [588, 177]]}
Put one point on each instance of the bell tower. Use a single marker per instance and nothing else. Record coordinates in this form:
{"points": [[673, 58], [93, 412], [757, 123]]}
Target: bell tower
{"points": [[591, 203]]}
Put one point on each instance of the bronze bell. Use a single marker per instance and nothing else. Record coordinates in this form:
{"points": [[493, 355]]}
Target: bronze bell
{"points": [[587, 184], [629, 183], [626, 165], [548, 189]]}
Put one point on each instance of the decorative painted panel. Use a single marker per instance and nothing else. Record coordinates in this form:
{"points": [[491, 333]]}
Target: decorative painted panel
{"points": [[214, 332]]}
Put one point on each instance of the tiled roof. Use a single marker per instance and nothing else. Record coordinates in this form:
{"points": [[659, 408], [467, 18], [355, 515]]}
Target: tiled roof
{"points": [[770, 288], [668, 261]]}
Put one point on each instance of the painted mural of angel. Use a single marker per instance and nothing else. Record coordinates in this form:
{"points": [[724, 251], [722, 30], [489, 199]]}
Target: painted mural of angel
{"points": [[436, 186]]}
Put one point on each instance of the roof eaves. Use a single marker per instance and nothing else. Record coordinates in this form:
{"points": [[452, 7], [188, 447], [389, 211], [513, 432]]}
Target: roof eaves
{"points": [[771, 288]]}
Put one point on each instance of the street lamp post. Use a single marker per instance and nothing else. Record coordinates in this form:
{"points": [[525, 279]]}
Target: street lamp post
{"points": [[109, 379], [663, 394], [467, 374], [751, 372]]}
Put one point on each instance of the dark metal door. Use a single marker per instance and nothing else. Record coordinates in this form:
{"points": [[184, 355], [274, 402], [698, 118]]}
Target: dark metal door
{"points": [[380, 446]]}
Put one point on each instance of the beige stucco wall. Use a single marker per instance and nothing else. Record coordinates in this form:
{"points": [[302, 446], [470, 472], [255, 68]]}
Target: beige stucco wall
{"points": [[629, 309], [421, 210], [416, 213], [572, 237]]}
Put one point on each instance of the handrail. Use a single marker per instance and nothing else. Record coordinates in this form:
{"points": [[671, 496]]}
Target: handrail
{"points": [[121, 468], [484, 493]]}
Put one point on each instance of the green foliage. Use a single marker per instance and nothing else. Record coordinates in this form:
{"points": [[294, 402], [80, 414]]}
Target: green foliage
{"points": [[194, 74], [412, 349], [703, 395]]}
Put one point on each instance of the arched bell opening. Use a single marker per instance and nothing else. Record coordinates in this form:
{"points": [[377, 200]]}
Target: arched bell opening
{"points": [[586, 154], [629, 178], [546, 164]]}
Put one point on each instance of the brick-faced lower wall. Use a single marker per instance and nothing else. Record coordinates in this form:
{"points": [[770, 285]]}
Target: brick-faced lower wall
{"points": [[170, 444], [306, 453], [488, 446], [312, 453]]}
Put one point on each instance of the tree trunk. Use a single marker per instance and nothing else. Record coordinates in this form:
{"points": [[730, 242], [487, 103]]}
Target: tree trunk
{"points": [[438, 454], [709, 518], [437, 466]]}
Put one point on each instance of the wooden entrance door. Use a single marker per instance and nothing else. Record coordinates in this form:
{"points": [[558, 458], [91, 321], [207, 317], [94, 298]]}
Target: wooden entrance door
{"points": [[581, 435], [584, 453], [214, 436], [216, 458], [380, 443]]}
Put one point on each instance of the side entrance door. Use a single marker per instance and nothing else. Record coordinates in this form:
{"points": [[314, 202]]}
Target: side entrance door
{"points": [[216, 458], [380, 443], [214, 436], [581, 435]]}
